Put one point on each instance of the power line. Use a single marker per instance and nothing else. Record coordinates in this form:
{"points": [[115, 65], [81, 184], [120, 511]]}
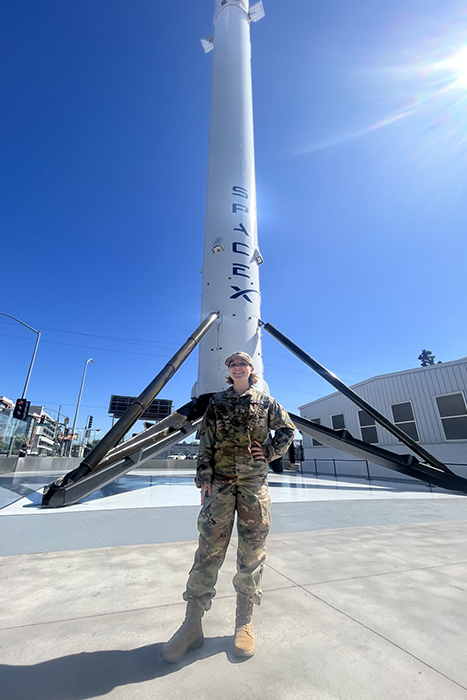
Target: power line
{"points": [[333, 369], [157, 342], [300, 391], [112, 338], [120, 340], [93, 347], [36, 402]]}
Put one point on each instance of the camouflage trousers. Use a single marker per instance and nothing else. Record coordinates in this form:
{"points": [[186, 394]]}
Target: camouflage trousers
{"points": [[249, 496]]}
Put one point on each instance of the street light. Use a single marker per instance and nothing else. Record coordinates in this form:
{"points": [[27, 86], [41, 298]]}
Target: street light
{"points": [[57, 421], [77, 405], [33, 354]]}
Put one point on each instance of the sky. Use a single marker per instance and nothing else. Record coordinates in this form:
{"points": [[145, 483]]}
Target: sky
{"points": [[361, 138]]}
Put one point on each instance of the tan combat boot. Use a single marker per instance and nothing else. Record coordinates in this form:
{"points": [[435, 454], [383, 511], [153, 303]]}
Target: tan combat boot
{"points": [[244, 642], [189, 636]]}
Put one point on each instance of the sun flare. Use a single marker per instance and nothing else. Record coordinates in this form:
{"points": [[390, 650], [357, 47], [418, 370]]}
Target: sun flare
{"points": [[458, 65]]}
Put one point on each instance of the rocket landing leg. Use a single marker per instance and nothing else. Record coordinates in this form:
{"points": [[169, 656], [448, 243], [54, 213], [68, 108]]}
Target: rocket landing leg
{"points": [[90, 475], [83, 481], [430, 469]]}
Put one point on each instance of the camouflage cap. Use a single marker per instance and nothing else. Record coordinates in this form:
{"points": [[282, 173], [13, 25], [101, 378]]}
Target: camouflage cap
{"points": [[242, 355]]}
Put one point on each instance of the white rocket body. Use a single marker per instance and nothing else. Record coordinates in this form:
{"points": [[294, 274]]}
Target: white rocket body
{"points": [[231, 255]]}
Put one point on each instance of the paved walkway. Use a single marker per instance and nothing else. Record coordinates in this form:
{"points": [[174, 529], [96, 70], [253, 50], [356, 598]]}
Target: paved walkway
{"points": [[370, 603]]}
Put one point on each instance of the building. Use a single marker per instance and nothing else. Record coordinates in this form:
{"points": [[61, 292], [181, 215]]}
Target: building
{"points": [[6, 409], [5, 404], [428, 403], [43, 434]]}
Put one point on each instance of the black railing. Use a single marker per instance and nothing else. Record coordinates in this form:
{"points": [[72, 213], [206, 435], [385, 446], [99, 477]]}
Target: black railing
{"points": [[339, 473]]}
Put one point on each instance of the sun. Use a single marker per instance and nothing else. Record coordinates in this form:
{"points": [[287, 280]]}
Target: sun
{"points": [[458, 65]]}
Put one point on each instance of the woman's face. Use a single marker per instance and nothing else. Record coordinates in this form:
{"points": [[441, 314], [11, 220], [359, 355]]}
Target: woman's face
{"points": [[240, 370]]}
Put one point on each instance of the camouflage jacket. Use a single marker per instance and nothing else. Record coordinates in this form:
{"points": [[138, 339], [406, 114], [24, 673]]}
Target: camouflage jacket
{"points": [[230, 425]]}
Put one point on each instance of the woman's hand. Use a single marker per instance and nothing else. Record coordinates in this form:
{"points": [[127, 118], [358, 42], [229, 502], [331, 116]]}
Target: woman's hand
{"points": [[257, 451], [205, 491]]}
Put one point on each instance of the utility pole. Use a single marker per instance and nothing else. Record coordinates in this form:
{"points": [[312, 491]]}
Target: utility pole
{"points": [[38, 333], [77, 405]]}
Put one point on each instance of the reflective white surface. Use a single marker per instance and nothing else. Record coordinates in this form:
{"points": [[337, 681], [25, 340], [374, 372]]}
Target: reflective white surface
{"points": [[145, 489]]}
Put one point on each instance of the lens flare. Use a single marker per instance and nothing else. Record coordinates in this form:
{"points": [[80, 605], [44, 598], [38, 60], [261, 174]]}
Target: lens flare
{"points": [[458, 65], [435, 91]]}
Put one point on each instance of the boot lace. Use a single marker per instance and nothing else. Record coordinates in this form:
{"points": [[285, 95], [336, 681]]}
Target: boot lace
{"points": [[244, 611]]}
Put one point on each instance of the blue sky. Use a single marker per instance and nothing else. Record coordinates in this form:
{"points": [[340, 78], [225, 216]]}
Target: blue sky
{"points": [[361, 132]]}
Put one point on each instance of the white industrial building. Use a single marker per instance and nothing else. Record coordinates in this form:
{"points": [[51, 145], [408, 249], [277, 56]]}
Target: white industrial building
{"points": [[428, 403]]}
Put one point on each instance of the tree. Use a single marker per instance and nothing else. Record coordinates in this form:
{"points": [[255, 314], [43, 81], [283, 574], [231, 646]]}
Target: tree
{"points": [[18, 441], [427, 358]]}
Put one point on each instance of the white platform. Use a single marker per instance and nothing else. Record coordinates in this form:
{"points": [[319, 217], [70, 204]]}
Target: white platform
{"points": [[143, 489]]}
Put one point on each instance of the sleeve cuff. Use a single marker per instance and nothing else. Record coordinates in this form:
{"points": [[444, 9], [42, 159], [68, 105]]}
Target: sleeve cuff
{"points": [[203, 475], [269, 452]]}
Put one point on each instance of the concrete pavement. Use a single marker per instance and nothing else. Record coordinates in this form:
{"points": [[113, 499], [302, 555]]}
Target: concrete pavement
{"points": [[374, 612]]}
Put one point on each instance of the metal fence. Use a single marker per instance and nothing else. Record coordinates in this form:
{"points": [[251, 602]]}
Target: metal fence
{"points": [[362, 469]]}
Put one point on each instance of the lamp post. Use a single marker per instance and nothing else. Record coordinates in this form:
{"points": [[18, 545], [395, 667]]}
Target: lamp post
{"points": [[38, 333], [57, 422], [77, 405]]}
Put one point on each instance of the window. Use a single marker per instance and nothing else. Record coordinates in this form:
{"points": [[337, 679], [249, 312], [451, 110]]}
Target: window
{"points": [[403, 417], [338, 421], [314, 442], [453, 414], [367, 427]]}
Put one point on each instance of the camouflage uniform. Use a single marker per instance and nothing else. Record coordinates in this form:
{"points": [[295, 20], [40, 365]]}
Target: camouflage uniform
{"points": [[239, 483]]}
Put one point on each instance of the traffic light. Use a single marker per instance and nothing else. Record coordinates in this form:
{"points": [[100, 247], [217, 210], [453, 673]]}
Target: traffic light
{"points": [[21, 409], [42, 420], [90, 422]]}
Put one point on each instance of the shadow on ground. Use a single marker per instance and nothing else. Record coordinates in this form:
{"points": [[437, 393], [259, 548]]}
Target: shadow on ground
{"points": [[90, 675]]}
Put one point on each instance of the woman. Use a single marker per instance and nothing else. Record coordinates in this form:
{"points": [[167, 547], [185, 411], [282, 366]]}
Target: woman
{"points": [[232, 475]]}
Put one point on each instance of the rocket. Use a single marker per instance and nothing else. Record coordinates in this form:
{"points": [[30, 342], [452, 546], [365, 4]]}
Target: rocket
{"points": [[230, 282], [230, 295]]}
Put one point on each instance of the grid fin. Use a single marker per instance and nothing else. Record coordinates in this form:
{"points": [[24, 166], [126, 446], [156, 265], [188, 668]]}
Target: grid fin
{"points": [[256, 12], [207, 42]]}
